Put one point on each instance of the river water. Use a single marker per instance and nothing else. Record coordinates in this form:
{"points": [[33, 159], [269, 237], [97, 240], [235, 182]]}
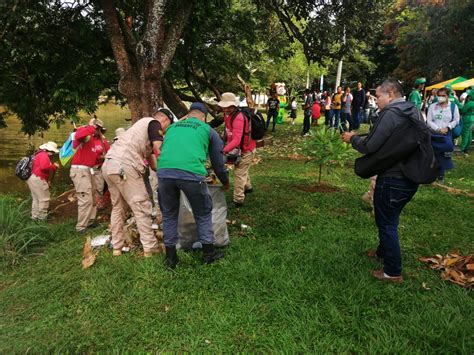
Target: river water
{"points": [[14, 144]]}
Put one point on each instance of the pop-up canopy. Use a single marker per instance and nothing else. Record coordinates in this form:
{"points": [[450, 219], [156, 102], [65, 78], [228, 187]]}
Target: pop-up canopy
{"points": [[464, 84], [453, 81]]}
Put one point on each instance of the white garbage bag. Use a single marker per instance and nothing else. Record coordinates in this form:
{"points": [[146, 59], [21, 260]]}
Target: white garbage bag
{"points": [[187, 226]]}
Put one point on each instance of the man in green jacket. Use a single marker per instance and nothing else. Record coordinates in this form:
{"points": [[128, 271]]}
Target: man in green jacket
{"points": [[467, 112], [415, 96]]}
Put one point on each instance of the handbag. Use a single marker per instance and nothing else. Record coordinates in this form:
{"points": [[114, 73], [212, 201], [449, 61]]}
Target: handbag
{"points": [[456, 130]]}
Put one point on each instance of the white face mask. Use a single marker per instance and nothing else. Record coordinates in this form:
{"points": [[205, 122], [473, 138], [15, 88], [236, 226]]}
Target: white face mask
{"points": [[442, 99]]}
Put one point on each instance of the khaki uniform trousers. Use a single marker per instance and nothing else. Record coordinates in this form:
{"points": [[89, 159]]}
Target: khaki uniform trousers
{"points": [[99, 182], [242, 176], [130, 190], [40, 195], [85, 192]]}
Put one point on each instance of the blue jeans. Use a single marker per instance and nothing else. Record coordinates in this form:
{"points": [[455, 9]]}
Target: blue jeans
{"points": [[337, 118], [274, 114], [346, 117], [390, 196], [201, 203]]}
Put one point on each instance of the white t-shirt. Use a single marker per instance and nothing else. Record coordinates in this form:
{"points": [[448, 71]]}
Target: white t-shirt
{"points": [[440, 117], [294, 105]]}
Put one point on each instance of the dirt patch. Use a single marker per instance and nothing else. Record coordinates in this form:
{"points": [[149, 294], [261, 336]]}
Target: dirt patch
{"points": [[64, 207], [324, 188]]}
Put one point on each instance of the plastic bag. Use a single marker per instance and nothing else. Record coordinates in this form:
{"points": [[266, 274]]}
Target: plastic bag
{"points": [[187, 226]]}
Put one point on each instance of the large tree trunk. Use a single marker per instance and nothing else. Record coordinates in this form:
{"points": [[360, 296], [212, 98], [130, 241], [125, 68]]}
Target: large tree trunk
{"points": [[248, 92], [172, 99], [142, 64]]}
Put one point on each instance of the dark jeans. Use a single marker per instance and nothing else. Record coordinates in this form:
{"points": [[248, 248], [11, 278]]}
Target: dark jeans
{"points": [[200, 199], [274, 114], [356, 119], [336, 119], [328, 117], [390, 196], [307, 121], [346, 118]]}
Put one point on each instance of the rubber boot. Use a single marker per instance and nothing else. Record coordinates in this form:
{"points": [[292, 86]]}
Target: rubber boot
{"points": [[171, 257], [209, 254]]}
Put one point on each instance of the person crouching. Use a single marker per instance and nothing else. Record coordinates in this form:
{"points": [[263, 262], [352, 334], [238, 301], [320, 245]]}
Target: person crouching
{"points": [[40, 180], [181, 167]]}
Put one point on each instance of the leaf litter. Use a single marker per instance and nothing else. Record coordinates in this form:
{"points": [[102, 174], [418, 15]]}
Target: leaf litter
{"points": [[455, 267]]}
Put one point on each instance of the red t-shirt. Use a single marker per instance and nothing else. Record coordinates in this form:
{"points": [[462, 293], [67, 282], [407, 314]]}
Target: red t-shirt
{"points": [[316, 111], [87, 152], [42, 166], [234, 134]]}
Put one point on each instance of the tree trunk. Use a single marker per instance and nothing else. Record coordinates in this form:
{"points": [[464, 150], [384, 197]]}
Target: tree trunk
{"points": [[141, 74], [248, 92], [172, 100]]}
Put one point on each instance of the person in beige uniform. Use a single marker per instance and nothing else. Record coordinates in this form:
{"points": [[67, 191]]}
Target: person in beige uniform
{"points": [[40, 180], [123, 171]]}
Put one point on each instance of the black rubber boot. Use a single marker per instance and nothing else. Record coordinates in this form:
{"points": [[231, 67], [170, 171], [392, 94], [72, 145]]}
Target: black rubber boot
{"points": [[209, 254], [171, 257]]}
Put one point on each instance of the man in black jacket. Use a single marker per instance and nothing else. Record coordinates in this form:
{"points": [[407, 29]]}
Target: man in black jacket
{"points": [[392, 190], [358, 103]]}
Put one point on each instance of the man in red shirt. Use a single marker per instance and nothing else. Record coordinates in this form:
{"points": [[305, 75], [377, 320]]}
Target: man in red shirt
{"points": [[40, 180], [238, 138], [86, 142]]}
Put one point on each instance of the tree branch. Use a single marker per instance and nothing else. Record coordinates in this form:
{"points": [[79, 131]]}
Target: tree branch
{"points": [[174, 34]]}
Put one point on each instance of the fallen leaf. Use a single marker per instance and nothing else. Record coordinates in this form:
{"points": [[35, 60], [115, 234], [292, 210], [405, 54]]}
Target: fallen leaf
{"points": [[88, 256], [470, 266], [425, 286]]}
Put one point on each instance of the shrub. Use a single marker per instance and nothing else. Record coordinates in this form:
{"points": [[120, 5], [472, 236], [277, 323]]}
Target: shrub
{"points": [[18, 233], [326, 148]]}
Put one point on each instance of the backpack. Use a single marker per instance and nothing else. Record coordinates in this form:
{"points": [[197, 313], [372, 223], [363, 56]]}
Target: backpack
{"points": [[24, 168], [66, 153], [415, 155], [456, 131], [256, 121]]}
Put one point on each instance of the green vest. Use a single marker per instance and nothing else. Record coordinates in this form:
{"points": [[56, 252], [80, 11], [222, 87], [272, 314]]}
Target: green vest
{"points": [[185, 147]]}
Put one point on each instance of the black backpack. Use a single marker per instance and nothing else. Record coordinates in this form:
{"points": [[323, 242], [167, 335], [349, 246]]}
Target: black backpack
{"points": [[24, 168], [415, 155], [255, 119]]}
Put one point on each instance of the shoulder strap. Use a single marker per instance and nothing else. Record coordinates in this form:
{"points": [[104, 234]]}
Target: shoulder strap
{"points": [[234, 115], [453, 107]]}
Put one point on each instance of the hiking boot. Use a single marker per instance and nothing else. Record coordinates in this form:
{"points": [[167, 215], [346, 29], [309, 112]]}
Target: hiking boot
{"points": [[373, 255], [117, 252], [380, 275], [171, 257], [209, 254]]}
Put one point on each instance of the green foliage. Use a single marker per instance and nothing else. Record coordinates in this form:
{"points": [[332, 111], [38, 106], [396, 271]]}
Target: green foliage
{"points": [[18, 234], [326, 148], [433, 39], [299, 283], [55, 62]]}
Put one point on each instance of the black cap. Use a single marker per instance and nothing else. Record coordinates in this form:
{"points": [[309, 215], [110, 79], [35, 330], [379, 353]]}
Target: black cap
{"points": [[168, 114]]}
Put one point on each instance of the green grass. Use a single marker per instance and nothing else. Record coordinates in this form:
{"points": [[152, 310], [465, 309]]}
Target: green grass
{"points": [[297, 282]]}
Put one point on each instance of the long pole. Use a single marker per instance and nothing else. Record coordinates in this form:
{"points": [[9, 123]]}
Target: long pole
{"points": [[339, 65]]}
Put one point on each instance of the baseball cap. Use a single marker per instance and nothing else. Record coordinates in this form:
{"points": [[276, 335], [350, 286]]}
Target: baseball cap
{"points": [[199, 106], [167, 113]]}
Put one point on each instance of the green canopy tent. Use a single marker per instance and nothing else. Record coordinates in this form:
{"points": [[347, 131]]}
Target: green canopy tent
{"points": [[464, 84], [453, 81]]}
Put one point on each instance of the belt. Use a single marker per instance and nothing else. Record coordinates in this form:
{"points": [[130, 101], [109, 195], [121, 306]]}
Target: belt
{"points": [[81, 167]]}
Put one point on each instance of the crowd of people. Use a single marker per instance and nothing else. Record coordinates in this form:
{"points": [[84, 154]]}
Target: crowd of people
{"points": [[179, 159]]}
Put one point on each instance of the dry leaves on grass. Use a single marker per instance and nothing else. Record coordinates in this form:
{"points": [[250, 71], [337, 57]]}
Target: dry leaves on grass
{"points": [[456, 268], [88, 256], [453, 190]]}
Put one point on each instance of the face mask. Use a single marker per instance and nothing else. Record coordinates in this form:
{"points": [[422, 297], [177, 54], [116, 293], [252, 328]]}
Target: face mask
{"points": [[442, 99]]}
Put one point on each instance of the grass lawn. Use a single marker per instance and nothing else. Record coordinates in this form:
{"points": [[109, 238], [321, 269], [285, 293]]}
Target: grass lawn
{"points": [[298, 281]]}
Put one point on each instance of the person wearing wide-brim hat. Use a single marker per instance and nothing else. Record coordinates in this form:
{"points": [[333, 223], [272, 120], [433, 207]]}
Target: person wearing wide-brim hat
{"points": [[40, 180], [415, 96], [238, 142]]}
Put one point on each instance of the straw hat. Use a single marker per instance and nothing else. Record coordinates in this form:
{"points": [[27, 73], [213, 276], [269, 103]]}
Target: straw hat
{"points": [[50, 146], [228, 99], [98, 123]]}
